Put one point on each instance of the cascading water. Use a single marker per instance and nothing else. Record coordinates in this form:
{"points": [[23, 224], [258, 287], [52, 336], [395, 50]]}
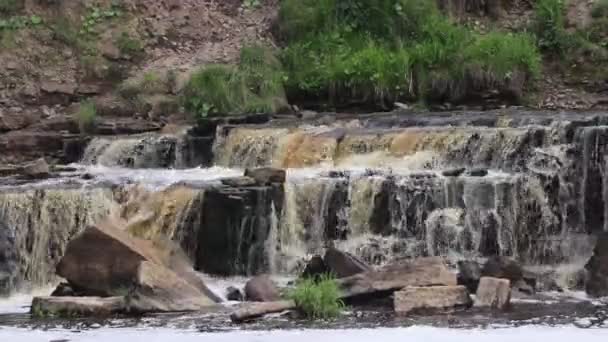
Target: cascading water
{"points": [[373, 187]]}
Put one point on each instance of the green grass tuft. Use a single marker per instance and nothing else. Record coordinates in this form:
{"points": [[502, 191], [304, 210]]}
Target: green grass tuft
{"points": [[255, 85], [86, 115], [318, 298], [600, 9], [10, 6]]}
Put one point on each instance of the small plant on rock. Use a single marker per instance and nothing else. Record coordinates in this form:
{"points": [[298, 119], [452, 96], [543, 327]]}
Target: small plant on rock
{"points": [[86, 115], [318, 298]]}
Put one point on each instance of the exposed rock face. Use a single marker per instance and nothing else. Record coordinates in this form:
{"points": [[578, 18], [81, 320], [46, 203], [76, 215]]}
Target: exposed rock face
{"points": [[37, 169], [69, 307], [153, 279], [234, 294], [469, 273], [505, 268], [267, 176], [494, 293], [158, 289], [434, 298], [597, 269], [115, 265], [261, 289], [315, 267], [343, 264], [398, 275]]}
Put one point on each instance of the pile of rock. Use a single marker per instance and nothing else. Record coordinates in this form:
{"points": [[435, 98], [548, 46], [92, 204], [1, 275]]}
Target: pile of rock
{"points": [[108, 271]]}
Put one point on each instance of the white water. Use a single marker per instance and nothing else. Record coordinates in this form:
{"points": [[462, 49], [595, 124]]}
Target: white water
{"points": [[426, 334]]}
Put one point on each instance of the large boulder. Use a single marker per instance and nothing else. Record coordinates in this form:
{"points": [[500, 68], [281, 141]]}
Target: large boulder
{"points": [[494, 293], [343, 264], [106, 261], [261, 289], [433, 298], [505, 268], [159, 289], [597, 269], [398, 275]]}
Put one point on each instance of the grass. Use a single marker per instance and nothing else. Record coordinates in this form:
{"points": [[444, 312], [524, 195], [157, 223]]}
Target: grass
{"points": [[378, 52], [255, 85], [318, 299], [86, 115]]}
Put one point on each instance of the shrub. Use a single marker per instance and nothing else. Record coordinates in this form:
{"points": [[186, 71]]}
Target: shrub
{"points": [[86, 115], [318, 298], [255, 85], [10, 6], [549, 25], [600, 9]]}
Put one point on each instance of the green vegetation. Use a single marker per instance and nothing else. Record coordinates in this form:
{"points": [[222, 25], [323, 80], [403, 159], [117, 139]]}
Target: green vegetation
{"points": [[10, 6], [318, 298], [377, 52], [600, 9], [251, 4], [549, 26], [86, 115], [19, 22], [255, 85], [129, 45], [96, 15]]}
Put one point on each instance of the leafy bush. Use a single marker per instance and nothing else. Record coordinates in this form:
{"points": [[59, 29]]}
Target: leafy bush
{"points": [[318, 298], [255, 85], [86, 115], [10, 6], [600, 9], [549, 25]]}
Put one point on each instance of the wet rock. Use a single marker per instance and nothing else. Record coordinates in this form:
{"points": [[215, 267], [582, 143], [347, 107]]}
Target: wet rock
{"points": [[156, 279], [234, 294], [315, 267], [502, 267], [10, 170], [597, 269], [64, 290], [261, 289], [38, 169], [477, 173], [494, 293], [238, 182], [159, 289], [398, 275], [433, 298], [8, 261], [69, 307], [454, 172], [469, 273], [343, 264], [267, 175]]}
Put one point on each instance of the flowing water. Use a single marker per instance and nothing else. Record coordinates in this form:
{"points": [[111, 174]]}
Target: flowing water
{"points": [[535, 189]]}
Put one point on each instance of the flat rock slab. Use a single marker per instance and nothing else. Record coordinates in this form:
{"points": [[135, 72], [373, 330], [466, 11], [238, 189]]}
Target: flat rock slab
{"points": [[399, 275], [434, 298], [494, 293], [66, 307]]}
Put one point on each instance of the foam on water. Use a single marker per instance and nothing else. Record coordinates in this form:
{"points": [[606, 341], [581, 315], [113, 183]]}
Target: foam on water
{"points": [[427, 334]]}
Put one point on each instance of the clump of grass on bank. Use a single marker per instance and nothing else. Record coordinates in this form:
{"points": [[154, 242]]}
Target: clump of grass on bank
{"points": [[10, 6], [318, 298], [85, 116], [377, 52], [255, 85]]}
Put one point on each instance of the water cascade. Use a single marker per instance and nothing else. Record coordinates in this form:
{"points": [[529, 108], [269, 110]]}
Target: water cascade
{"points": [[463, 185]]}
